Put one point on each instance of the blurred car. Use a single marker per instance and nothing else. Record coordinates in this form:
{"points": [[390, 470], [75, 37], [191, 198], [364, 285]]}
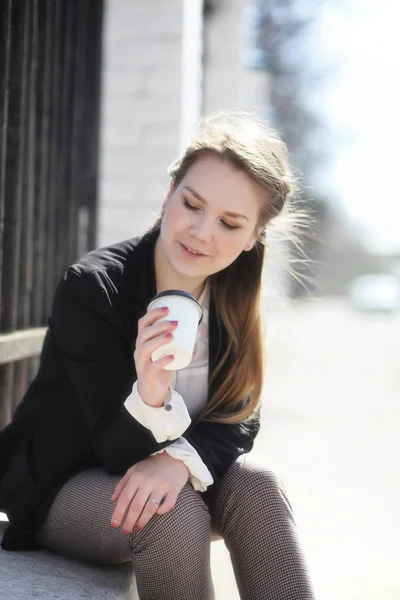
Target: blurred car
{"points": [[375, 292]]}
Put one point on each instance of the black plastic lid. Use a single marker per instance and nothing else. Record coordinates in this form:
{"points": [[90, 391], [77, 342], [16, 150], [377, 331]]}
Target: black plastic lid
{"points": [[179, 293]]}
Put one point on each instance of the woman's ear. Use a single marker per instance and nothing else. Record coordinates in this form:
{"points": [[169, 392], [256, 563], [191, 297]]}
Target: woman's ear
{"points": [[250, 246], [253, 240]]}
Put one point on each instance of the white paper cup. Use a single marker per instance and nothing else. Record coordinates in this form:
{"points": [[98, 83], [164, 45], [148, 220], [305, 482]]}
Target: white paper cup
{"points": [[185, 309]]}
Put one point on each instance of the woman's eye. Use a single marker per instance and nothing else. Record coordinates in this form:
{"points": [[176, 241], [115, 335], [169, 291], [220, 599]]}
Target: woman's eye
{"points": [[230, 227], [189, 206], [196, 209]]}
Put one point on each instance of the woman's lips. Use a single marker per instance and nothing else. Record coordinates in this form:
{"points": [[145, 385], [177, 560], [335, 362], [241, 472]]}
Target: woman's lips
{"points": [[190, 254]]}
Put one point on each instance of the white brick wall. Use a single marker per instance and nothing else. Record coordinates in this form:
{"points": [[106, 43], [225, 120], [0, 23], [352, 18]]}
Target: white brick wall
{"points": [[141, 109], [228, 84], [222, 49]]}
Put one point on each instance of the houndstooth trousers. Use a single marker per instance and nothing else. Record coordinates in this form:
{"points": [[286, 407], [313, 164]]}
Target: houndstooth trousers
{"points": [[171, 555]]}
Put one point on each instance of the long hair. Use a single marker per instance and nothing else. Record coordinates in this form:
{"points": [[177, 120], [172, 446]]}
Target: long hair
{"points": [[249, 144]]}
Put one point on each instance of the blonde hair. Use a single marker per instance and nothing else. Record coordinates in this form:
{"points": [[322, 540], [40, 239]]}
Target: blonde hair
{"points": [[249, 144]]}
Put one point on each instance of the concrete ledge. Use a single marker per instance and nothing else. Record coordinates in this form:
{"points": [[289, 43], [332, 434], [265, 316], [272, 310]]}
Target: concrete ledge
{"points": [[21, 344], [47, 576]]}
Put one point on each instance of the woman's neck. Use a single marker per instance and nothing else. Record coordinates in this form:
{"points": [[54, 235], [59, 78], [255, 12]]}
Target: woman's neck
{"points": [[168, 279]]}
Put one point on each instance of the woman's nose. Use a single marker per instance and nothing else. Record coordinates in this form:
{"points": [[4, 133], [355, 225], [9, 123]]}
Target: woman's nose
{"points": [[202, 230]]}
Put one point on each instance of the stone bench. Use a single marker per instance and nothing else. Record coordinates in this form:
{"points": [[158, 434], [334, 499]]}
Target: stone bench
{"points": [[48, 576]]}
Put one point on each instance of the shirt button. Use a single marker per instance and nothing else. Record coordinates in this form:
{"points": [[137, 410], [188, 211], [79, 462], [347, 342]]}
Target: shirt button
{"points": [[168, 407]]}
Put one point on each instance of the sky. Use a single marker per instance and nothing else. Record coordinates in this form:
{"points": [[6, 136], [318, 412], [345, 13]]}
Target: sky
{"points": [[361, 102]]}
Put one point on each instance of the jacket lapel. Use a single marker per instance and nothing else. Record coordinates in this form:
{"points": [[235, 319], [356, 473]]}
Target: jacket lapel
{"points": [[142, 272]]}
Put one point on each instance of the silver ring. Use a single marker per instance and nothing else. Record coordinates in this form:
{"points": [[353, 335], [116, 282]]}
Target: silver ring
{"points": [[156, 502]]}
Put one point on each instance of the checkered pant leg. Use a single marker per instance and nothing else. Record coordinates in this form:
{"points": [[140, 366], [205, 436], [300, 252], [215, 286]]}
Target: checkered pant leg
{"points": [[255, 519], [170, 555]]}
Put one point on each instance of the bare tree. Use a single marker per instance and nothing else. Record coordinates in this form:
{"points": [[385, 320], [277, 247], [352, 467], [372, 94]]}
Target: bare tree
{"points": [[283, 27]]}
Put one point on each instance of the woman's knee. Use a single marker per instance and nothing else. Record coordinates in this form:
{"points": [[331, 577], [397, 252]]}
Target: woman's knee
{"points": [[171, 554], [247, 482], [190, 507], [187, 522]]}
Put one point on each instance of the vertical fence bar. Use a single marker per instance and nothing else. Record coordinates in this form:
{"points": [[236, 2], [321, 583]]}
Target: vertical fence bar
{"points": [[33, 176], [5, 42], [53, 149], [42, 156], [28, 186], [5, 50], [65, 133], [77, 125], [92, 83], [13, 171], [28, 170], [13, 185]]}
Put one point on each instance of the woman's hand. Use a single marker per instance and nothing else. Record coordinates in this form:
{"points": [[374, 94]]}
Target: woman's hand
{"points": [[153, 379], [161, 477]]}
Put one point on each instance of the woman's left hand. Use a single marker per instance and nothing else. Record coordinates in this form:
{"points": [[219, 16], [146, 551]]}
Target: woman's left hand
{"points": [[161, 477]]}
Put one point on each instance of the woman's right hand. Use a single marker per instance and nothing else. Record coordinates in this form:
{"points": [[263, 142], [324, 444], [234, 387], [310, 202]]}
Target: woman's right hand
{"points": [[153, 380]]}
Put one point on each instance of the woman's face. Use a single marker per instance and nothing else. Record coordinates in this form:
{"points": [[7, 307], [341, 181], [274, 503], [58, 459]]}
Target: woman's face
{"points": [[210, 218]]}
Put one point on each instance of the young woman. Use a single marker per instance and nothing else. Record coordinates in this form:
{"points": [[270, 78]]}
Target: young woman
{"points": [[112, 458]]}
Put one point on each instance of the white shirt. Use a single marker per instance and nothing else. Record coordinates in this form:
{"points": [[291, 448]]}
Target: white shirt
{"points": [[187, 396]]}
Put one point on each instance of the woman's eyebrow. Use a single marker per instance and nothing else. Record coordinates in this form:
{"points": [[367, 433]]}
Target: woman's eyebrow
{"points": [[226, 212]]}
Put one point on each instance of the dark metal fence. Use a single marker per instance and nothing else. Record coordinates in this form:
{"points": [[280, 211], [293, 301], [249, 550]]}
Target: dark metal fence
{"points": [[50, 68]]}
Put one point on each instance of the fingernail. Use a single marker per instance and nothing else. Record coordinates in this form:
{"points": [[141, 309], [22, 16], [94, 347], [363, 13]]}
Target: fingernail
{"points": [[126, 531], [138, 528], [174, 322], [164, 308], [114, 523]]}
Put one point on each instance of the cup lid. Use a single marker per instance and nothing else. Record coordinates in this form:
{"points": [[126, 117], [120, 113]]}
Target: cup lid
{"points": [[179, 293]]}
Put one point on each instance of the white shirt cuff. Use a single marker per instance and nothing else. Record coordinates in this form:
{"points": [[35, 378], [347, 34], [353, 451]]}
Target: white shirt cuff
{"points": [[200, 476], [167, 422]]}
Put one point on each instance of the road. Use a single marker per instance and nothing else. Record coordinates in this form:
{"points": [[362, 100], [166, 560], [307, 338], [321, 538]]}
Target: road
{"points": [[331, 431]]}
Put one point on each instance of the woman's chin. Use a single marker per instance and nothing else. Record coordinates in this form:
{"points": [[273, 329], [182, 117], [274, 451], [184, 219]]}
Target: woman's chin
{"points": [[185, 270], [189, 272]]}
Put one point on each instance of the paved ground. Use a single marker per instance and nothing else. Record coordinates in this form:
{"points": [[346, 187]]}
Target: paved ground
{"points": [[331, 431]]}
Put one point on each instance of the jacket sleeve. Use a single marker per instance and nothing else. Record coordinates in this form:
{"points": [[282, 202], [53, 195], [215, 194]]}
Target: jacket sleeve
{"points": [[220, 444], [89, 332]]}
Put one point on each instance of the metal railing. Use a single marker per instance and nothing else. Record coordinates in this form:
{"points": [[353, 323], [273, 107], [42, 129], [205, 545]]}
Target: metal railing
{"points": [[50, 70]]}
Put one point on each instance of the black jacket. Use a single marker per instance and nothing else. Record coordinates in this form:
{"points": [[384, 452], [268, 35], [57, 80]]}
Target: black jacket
{"points": [[72, 416]]}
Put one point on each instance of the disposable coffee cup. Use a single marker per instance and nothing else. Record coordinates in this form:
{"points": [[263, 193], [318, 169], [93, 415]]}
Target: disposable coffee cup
{"points": [[185, 309]]}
